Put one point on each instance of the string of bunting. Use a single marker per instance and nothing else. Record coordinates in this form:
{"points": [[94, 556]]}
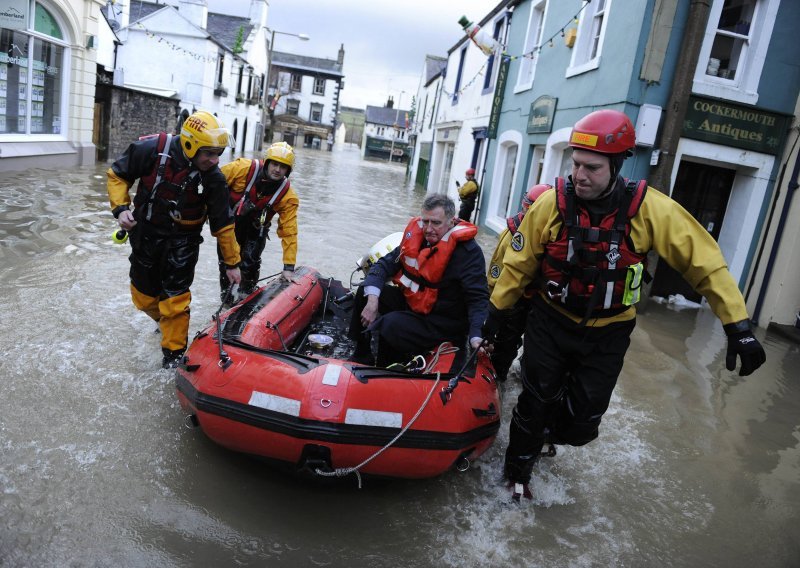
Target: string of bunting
{"points": [[531, 54], [174, 46]]}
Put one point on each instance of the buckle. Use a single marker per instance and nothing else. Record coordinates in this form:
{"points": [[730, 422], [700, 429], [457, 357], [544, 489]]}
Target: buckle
{"points": [[554, 290]]}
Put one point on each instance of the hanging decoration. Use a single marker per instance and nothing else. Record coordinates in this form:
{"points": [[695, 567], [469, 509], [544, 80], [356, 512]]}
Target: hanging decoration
{"points": [[173, 46]]}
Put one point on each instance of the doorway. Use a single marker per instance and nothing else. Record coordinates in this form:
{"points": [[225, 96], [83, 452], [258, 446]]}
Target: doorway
{"points": [[703, 191]]}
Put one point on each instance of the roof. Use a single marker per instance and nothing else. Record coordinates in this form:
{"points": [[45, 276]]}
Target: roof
{"points": [[386, 116], [225, 29], [434, 65], [222, 28], [307, 63]]}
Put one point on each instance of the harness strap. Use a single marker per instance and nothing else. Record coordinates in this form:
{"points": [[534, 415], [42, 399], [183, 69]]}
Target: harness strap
{"points": [[163, 143]]}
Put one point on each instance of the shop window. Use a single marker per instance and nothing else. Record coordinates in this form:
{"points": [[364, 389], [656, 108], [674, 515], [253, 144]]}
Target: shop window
{"points": [[31, 78]]}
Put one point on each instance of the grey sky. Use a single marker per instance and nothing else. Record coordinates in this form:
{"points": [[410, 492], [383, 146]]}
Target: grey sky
{"points": [[385, 41]]}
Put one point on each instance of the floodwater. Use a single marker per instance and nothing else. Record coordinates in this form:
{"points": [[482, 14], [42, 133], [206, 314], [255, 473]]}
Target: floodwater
{"points": [[695, 466]]}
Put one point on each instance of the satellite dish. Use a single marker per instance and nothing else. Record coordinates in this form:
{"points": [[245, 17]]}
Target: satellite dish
{"points": [[114, 25]]}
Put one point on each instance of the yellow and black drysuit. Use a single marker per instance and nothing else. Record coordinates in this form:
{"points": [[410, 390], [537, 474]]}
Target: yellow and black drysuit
{"points": [[509, 336], [591, 255], [254, 201], [467, 194], [172, 201]]}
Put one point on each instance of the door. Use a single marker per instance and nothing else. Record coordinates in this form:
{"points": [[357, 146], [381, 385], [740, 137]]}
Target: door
{"points": [[704, 192]]}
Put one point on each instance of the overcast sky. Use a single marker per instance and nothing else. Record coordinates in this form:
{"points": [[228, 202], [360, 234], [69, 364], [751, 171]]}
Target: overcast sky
{"points": [[385, 41]]}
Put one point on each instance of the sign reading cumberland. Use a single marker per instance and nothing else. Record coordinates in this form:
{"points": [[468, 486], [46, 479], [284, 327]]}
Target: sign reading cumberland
{"points": [[734, 125]]}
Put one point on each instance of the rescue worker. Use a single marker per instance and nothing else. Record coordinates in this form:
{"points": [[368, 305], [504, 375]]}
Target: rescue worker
{"points": [[260, 189], [440, 294], [509, 336], [588, 241], [180, 185], [467, 194]]}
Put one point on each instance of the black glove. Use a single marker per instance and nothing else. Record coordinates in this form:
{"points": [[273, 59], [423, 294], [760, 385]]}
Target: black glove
{"points": [[743, 343], [494, 323], [458, 184]]}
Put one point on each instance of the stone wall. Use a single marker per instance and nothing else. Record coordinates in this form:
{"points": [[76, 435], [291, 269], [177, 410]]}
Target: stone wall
{"points": [[131, 114]]}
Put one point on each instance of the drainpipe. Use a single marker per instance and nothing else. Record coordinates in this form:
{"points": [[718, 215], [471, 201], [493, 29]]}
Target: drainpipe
{"points": [[792, 187]]}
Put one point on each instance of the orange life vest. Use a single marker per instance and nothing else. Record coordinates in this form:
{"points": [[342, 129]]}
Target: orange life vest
{"points": [[422, 267]]}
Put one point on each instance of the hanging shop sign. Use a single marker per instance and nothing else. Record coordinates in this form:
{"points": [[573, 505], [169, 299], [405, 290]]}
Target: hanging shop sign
{"points": [[540, 117], [721, 122], [14, 14], [497, 100]]}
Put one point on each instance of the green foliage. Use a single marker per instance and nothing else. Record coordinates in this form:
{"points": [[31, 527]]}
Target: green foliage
{"points": [[239, 43]]}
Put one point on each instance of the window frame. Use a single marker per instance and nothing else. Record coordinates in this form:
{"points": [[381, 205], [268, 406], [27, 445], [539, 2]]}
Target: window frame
{"points": [[533, 42], [744, 88], [316, 89], [582, 59], [295, 82]]}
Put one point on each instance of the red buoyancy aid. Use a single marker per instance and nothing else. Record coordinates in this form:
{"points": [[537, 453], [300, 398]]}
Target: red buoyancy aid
{"points": [[250, 200], [170, 194], [421, 267], [586, 268]]}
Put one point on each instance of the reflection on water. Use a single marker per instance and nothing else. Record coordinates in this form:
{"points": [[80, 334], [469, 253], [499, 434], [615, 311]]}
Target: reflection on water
{"points": [[695, 466]]}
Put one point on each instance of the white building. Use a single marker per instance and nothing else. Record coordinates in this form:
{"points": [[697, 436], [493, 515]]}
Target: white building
{"points": [[208, 61], [386, 133], [47, 79], [461, 121], [427, 100], [304, 98]]}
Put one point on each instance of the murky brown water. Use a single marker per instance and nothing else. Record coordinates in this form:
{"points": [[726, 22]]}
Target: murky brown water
{"points": [[695, 466]]}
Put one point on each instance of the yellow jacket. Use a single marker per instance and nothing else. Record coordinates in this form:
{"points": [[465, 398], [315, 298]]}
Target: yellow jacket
{"points": [[661, 224], [496, 264], [468, 189], [286, 209]]}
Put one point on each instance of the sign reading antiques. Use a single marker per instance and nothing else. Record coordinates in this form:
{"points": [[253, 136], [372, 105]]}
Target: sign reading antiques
{"points": [[497, 100], [540, 117], [734, 125]]}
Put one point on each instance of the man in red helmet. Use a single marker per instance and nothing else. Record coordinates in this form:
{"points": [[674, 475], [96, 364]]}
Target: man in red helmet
{"points": [[467, 194], [509, 336], [587, 243]]}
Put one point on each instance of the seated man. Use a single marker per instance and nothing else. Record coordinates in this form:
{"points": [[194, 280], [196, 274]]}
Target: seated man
{"points": [[440, 295]]}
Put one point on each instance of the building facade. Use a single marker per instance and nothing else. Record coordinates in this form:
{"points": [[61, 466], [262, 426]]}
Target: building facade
{"points": [[47, 81], [304, 98], [422, 128], [386, 133]]}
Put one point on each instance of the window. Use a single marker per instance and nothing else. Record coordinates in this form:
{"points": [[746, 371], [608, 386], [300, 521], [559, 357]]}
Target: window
{"points": [[488, 80], [504, 206], [32, 77], [734, 49], [319, 86], [220, 68], [292, 107], [527, 65], [316, 113], [297, 83], [239, 81], [461, 56], [589, 43]]}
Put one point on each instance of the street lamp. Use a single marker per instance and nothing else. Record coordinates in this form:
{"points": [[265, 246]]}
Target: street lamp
{"points": [[302, 37]]}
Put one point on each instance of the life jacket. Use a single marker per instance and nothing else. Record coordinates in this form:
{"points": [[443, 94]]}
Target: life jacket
{"points": [[250, 200], [421, 267], [170, 196], [515, 221], [595, 271]]}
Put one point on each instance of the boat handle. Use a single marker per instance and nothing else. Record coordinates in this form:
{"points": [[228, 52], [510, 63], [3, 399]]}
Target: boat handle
{"points": [[325, 403]]}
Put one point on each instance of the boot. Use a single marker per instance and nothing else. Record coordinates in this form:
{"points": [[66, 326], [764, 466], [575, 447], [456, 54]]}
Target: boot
{"points": [[171, 358]]}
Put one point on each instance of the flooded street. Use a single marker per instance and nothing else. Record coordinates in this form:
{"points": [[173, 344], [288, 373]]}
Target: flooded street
{"points": [[695, 466]]}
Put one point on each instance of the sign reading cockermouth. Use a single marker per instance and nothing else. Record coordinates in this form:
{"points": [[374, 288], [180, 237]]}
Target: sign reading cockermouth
{"points": [[734, 125]]}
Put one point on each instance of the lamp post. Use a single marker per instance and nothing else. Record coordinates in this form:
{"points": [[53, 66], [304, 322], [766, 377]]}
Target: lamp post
{"points": [[396, 118], [271, 110]]}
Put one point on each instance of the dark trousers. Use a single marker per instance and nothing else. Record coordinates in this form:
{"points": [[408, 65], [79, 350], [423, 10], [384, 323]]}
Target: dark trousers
{"points": [[402, 333], [466, 208], [568, 375], [509, 338], [252, 241]]}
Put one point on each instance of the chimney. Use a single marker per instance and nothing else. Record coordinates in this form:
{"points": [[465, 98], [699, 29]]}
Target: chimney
{"points": [[390, 102], [258, 13], [196, 11], [340, 59]]}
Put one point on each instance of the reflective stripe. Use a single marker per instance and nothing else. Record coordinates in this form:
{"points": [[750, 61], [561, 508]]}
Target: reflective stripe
{"points": [[331, 376], [373, 418], [412, 262], [408, 283], [275, 403]]}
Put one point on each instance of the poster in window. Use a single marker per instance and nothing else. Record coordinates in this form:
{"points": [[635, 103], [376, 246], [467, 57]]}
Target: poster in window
{"points": [[2, 123], [23, 91], [22, 109], [37, 109], [56, 125], [21, 124], [2, 105], [3, 88], [37, 93], [38, 77], [3, 72]]}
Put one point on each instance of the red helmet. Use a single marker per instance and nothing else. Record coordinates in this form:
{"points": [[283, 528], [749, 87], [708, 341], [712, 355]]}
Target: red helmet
{"points": [[471, 172], [605, 132], [533, 194]]}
